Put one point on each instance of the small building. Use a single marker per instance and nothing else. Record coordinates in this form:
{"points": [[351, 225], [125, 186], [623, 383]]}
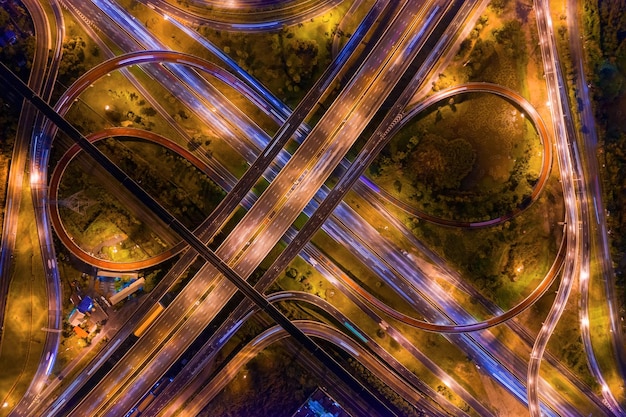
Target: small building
{"points": [[76, 317], [85, 305], [91, 326], [112, 274], [80, 332], [125, 292]]}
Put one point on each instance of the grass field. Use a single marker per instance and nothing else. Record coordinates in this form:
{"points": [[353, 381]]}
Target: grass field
{"points": [[22, 338], [507, 155]]}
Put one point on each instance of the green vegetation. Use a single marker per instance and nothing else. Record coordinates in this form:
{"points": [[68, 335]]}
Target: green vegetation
{"points": [[369, 379], [476, 158], [17, 54], [179, 186], [80, 53], [360, 274], [301, 276], [605, 48], [499, 56], [113, 101], [287, 61], [22, 338], [8, 128], [504, 262], [273, 383], [566, 343], [106, 227], [498, 6], [69, 349]]}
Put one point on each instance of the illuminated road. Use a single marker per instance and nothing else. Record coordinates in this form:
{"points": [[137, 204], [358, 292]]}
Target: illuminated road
{"points": [[557, 263], [246, 16], [297, 180], [42, 77], [21, 88], [577, 210], [416, 384], [507, 94], [377, 366], [598, 245], [248, 263]]}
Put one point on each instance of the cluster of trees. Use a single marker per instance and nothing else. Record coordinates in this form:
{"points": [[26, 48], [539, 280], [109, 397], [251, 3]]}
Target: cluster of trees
{"points": [[498, 6], [511, 37], [445, 177], [17, 56], [489, 258], [428, 161], [88, 226], [72, 64], [302, 278], [76, 179], [393, 397], [285, 61], [8, 125], [499, 58], [17, 53], [605, 46], [184, 190], [275, 385]]}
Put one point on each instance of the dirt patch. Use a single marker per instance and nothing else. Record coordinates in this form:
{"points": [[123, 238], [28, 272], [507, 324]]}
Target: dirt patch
{"points": [[501, 402]]}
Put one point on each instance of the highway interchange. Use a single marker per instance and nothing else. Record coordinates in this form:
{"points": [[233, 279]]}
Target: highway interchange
{"points": [[399, 38]]}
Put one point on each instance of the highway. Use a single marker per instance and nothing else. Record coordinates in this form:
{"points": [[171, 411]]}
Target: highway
{"points": [[243, 286], [296, 179], [41, 79], [244, 17], [598, 246], [129, 131], [20, 152], [577, 209], [247, 263], [393, 364], [377, 366]]}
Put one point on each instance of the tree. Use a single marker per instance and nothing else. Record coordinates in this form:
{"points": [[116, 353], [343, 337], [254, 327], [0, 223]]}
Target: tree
{"points": [[481, 55], [73, 61], [441, 164], [511, 37], [610, 81]]}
